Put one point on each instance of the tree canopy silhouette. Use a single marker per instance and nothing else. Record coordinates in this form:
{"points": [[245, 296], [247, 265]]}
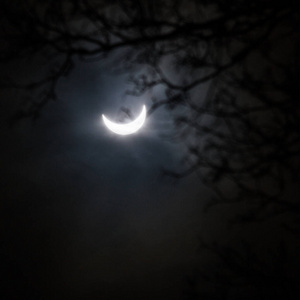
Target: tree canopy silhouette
{"points": [[227, 72]]}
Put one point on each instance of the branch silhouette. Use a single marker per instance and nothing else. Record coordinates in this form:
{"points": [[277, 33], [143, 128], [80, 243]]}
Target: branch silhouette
{"points": [[181, 47], [235, 71]]}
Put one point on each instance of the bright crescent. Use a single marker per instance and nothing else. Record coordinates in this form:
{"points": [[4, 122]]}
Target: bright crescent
{"points": [[127, 128]]}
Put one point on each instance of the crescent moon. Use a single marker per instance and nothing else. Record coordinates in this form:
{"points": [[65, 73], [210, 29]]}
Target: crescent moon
{"points": [[127, 128]]}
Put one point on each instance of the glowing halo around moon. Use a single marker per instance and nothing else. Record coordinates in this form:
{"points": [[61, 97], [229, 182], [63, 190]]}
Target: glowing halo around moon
{"points": [[126, 128]]}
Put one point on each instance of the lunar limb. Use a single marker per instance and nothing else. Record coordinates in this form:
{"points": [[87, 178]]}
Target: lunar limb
{"points": [[126, 128]]}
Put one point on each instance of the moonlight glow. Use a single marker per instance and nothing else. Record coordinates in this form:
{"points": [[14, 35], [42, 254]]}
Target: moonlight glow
{"points": [[126, 128]]}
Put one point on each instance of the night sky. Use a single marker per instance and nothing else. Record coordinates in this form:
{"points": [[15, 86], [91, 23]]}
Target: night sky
{"points": [[87, 214]]}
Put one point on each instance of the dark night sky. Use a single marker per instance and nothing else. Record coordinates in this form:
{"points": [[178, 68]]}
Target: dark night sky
{"points": [[86, 214]]}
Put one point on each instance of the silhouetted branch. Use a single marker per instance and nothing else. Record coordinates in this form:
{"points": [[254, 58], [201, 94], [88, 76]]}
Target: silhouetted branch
{"points": [[244, 130]]}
